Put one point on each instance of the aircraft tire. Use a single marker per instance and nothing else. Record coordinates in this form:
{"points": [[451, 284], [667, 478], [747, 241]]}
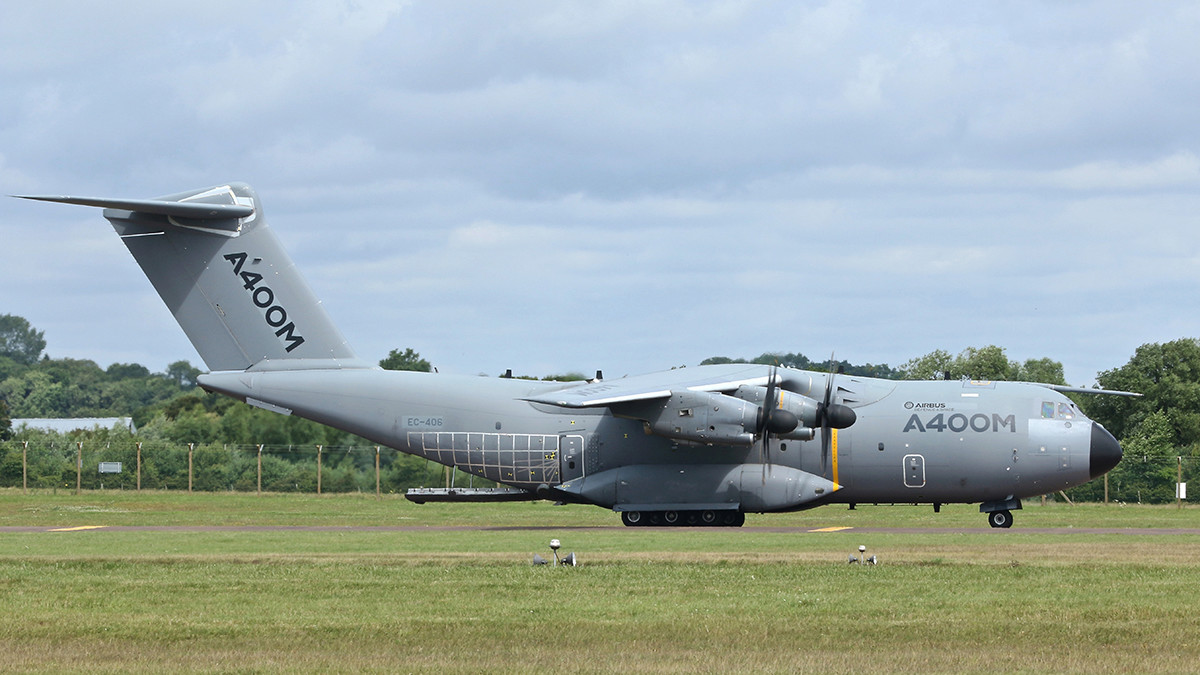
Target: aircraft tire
{"points": [[733, 519], [632, 518], [671, 517], [708, 517], [1000, 519]]}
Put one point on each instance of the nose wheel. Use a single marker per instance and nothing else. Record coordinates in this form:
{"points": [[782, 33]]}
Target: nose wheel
{"points": [[1000, 519]]}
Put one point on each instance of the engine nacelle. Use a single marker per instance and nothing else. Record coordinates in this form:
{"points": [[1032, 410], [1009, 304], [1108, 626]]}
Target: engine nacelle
{"points": [[705, 417], [804, 408]]}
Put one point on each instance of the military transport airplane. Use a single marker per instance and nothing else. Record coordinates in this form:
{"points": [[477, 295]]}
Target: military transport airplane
{"points": [[693, 446]]}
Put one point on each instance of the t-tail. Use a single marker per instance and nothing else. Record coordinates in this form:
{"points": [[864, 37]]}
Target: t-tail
{"points": [[226, 278]]}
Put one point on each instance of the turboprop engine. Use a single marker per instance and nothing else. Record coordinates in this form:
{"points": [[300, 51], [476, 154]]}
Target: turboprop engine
{"points": [[720, 419], [705, 417]]}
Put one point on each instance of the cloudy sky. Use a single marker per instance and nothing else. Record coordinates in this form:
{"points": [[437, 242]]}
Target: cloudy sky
{"points": [[630, 186]]}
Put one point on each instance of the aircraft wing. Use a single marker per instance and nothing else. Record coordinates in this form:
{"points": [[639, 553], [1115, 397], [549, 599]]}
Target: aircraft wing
{"points": [[604, 393], [1084, 390]]}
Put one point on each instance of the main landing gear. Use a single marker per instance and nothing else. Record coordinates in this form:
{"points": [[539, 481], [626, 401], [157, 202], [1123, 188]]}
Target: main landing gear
{"points": [[707, 518]]}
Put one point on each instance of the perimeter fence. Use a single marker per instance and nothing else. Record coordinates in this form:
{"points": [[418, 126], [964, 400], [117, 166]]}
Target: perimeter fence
{"points": [[160, 465], [157, 465]]}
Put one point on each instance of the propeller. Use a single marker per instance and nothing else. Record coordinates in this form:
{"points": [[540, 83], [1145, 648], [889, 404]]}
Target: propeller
{"points": [[772, 419], [831, 416]]}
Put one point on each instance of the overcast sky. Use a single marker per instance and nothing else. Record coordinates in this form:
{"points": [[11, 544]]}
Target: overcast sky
{"points": [[629, 186]]}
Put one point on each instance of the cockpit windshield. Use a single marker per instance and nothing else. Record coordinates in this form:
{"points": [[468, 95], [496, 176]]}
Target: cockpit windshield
{"points": [[1058, 411]]}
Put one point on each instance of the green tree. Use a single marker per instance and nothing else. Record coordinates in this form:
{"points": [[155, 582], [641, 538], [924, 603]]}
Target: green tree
{"points": [[1044, 371], [406, 360], [183, 374], [802, 362], [720, 361], [123, 371], [936, 365], [1146, 474], [19, 341], [980, 363], [1168, 377], [984, 363], [5, 421]]}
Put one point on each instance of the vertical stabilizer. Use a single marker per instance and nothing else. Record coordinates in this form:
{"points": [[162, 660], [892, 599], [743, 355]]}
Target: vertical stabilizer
{"points": [[223, 274]]}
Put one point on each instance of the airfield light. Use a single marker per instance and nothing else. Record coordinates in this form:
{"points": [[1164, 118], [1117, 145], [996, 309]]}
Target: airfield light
{"points": [[569, 560], [862, 558]]}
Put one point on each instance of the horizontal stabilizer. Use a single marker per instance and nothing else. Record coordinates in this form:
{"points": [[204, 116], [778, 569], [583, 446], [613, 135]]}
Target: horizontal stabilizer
{"points": [[193, 210]]}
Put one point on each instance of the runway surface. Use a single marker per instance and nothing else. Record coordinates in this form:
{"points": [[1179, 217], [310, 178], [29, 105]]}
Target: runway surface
{"points": [[1062, 531]]}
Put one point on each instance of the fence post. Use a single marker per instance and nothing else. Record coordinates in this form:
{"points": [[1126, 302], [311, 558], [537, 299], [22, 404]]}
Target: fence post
{"points": [[1179, 483], [377, 494], [190, 447], [78, 467], [1106, 488], [260, 469], [25, 467], [318, 469], [139, 466]]}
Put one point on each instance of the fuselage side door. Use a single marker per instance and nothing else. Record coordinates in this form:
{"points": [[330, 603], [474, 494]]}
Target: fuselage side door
{"points": [[914, 471], [570, 453]]}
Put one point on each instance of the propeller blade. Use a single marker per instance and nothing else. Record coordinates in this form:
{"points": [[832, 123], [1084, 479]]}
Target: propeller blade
{"points": [[832, 416], [768, 414], [823, 416]]}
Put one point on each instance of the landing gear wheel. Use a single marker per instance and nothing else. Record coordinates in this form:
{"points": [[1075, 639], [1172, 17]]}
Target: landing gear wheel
{"points": [[671, 517], [708, 517], [733, 519], [1000, 519], [631, 518]]}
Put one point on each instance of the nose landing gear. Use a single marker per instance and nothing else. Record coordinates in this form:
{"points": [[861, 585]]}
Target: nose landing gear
{"points": [[999, 514], [1000, 519]]}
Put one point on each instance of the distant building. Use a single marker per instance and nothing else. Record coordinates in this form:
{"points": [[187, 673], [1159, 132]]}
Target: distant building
{"points": [[64, 425]]}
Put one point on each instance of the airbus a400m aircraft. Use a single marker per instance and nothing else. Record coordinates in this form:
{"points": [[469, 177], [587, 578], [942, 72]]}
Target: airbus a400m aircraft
{"points": [[702, 445]]}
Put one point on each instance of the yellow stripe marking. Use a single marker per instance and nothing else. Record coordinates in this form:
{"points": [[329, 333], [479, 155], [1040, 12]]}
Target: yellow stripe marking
{"points": [[831, 529], [77, 529], [833, 450]]}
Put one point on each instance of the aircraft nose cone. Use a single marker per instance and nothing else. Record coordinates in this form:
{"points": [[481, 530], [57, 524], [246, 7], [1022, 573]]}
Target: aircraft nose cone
{"points": [[1106, 452]]}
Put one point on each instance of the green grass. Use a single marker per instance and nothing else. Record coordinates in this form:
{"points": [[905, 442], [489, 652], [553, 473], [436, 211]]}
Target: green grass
{"points": [[437, 599]]}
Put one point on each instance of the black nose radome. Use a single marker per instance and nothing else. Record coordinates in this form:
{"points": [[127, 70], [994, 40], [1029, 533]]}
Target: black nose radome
{"points": [[1106, 452]]}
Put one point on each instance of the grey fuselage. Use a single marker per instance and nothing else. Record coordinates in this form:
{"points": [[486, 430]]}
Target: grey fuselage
{"points": [[912, 442]]}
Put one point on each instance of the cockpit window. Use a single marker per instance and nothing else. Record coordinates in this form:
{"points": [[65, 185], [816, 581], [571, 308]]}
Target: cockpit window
{"points": [[1060, 411]]}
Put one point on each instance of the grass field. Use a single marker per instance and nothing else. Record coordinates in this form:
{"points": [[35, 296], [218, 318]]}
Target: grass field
{"points": [[441, 595]]}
